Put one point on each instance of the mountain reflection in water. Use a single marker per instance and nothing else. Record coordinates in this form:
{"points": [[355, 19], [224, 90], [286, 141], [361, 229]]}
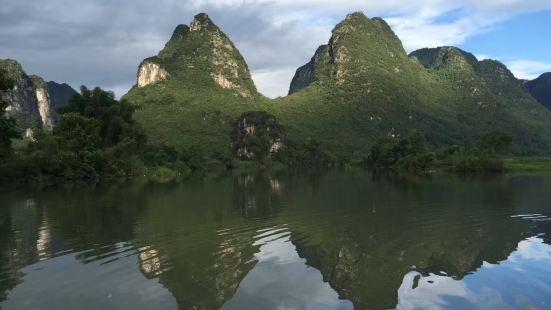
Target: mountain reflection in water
{"points": [[317, 240]]}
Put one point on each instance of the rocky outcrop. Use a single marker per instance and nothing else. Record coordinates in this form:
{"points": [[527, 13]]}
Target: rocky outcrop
{"points": [[257, 135], [150, 73], [198, 53], [22, 99], [309, 73], [32, 102], [44, 103]]}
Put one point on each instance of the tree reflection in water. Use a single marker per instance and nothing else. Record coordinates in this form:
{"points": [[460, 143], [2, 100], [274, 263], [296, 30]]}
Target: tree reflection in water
{"points": [[321, 240]]}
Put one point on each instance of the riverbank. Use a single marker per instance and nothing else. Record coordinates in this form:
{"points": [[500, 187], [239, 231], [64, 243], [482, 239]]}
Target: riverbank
{"points": [[528, 165]]}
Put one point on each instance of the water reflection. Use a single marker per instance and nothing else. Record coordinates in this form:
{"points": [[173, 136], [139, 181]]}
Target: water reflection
{"points": [[64, 282], [333, 240], [282, 280], [519, 282]]}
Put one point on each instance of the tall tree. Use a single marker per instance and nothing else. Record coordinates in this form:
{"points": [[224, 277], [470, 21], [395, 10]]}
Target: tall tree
{"points": [[7, 124]]}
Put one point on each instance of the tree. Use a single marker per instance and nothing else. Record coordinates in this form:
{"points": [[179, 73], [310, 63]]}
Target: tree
{"points": [[409, 153], [496, 142], [7, 124], [115, 117], [95, 136]]}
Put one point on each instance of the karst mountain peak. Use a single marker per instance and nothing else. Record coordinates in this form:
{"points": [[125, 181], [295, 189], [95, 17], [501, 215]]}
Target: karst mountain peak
{"points": [[361, 84], [199, 54]]}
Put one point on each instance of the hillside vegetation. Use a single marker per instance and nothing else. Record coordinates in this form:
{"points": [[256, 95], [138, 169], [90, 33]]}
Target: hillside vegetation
{"points": [[358, 88]]}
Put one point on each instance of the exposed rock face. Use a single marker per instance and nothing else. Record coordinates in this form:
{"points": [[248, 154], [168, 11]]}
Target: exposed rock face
{"points": [[309, 73], [44, 108], [150, 73], [540, 89], [31, 102], [22, 99], [200, 51], [257, 134], [44, 103]]}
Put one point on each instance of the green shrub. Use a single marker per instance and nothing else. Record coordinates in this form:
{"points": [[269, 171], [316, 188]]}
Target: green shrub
{"points": [[163, 175], [409, 153]]}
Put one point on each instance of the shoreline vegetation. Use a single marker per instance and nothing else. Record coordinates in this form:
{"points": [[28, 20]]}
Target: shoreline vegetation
{"points": [[98, 139], [361, 101]]}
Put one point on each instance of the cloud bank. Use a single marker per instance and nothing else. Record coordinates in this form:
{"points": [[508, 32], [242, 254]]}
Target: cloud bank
{"points": [[101, 42]]}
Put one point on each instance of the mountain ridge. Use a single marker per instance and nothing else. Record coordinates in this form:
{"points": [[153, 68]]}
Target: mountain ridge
{"points": [[360, 86]]}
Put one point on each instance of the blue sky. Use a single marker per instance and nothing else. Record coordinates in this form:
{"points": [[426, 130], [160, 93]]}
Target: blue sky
{"points": [[523, 43], [101, 42]]}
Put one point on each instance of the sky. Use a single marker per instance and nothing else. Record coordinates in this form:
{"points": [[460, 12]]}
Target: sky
{"points": [[102, 42]]}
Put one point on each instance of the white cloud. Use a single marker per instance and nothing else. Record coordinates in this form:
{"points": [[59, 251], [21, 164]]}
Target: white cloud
{"points": [[482, 56], [97, 42], [274, 83], [528, 69]]}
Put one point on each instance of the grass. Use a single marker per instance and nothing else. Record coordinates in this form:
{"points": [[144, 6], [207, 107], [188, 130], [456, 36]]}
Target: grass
{"points": [[528, 165]]}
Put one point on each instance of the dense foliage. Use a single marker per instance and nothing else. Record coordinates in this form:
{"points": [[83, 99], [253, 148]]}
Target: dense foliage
{"points": [[95, 137], [254, 135], [7, 124], [409, 153], [360, 86], [412, 154]]}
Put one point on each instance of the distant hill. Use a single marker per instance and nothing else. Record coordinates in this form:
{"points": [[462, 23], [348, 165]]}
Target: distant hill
{"points": [[540, 88], [60, 94], [359, 87]]}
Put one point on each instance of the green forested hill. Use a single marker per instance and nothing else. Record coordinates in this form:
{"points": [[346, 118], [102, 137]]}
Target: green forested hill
{"points": [[540, 88], [359, 87], [203, 86]]}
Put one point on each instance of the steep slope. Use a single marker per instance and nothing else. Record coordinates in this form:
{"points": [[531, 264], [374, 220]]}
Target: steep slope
{"points": [[192, 91], [44, 102], [540, 88], [60, 94], [359, 87], [363, 85], [33, 102], [22, 99], [503, 100]]}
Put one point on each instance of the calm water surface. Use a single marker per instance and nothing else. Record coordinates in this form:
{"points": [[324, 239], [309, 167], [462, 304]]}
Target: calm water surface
{"points": [[317, 240]]}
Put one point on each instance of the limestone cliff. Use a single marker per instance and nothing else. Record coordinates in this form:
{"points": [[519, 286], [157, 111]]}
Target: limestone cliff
{"points": [[199, 54], [311, 71], [22, 98], [257, 134], [32, 102], [150, 73], [44, 103]]}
